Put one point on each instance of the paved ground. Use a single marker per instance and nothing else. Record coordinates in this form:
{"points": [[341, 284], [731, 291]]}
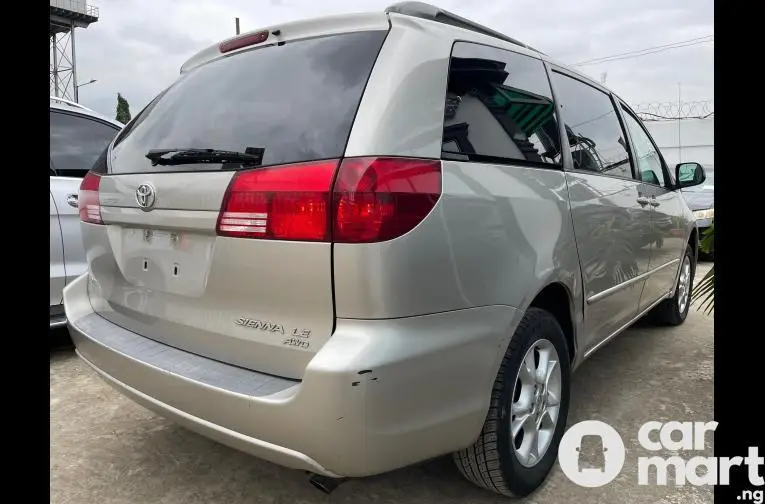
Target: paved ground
{"points": [[107, 450]]}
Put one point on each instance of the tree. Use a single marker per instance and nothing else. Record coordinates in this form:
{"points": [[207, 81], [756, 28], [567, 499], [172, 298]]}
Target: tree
{"points": [[123, 110], [704, 294]]}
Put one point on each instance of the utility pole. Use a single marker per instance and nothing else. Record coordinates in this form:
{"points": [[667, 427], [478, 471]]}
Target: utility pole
{"points": [[237, 26], [679, 111]]}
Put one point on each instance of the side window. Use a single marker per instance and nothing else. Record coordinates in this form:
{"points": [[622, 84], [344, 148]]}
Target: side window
{"points": [[594, 132], [499, 108], [76, 142], [648, 160]]}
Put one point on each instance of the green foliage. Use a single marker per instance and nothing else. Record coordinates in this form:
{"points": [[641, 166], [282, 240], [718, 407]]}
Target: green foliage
{"points": [[123, 110], [704, 293]]}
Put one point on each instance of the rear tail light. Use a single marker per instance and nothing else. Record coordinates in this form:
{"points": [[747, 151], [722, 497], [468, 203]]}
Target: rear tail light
{"points": [[373, 200], [88, 200], [280, 203], [378, 199]]}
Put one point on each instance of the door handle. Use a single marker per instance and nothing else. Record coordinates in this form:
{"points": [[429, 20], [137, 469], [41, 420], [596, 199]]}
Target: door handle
{"points": [[653, 202], [72, 200], [643, 200]]}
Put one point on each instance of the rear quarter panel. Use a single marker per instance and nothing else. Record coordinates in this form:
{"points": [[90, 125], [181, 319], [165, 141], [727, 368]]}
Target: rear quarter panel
{"points": [[499, 233]]}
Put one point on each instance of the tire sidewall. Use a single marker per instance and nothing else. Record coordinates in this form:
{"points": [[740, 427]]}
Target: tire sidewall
{"points": [[524, 480], [682, 315]]}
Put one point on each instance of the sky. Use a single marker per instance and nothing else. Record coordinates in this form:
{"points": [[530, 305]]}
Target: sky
{"points": [[138, 46]]}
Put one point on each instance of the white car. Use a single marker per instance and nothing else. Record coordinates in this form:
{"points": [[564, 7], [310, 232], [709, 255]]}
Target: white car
{"points": [[78, 136]]}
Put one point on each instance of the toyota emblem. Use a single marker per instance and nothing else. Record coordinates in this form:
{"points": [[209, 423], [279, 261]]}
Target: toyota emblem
{"points": [[145, 196]]}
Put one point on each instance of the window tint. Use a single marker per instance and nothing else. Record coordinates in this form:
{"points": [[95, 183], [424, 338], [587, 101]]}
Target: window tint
{"points": [[499, 108], [648, 161], [297, 101], [76, 142], [592, 126]]}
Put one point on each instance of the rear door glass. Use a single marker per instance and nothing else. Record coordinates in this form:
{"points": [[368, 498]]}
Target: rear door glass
{"points": [[76, 142], [297, 101]]}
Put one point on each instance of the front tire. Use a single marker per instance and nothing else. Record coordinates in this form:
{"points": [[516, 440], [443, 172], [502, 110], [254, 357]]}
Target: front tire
{"points": [[674, 310], [527, 415]]}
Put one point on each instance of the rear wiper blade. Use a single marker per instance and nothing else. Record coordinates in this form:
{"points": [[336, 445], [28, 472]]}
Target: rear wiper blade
{"points": [[252, 156]]}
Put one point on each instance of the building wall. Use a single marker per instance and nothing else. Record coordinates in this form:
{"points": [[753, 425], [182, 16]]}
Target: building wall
{"points": [[690, 140]]}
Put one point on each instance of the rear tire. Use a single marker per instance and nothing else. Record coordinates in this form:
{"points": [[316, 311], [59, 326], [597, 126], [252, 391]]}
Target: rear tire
{"points": [[674, 310], [496, 461]]}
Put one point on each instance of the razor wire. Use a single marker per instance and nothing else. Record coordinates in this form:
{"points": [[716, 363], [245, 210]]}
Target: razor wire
{"points": [[672, 111]]}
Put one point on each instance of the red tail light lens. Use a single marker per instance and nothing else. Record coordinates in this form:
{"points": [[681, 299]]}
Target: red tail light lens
{"points": [[280, 203], [378, 199], [88, 201], [374, 200]]}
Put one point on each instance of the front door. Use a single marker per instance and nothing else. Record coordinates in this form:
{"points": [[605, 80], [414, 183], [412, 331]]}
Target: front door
{"points": [[57, 268], [611, 221], [669, 238]]}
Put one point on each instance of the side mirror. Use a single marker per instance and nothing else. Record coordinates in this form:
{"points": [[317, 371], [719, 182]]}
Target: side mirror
{"points": [[689, 175]]}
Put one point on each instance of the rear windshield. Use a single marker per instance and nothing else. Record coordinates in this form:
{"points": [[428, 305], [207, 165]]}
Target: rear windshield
{"points": [[297, 101]]}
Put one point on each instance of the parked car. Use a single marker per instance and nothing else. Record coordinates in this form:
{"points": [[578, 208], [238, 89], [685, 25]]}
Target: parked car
{"points": [[346, 261], [78, 136], [701, 200]]}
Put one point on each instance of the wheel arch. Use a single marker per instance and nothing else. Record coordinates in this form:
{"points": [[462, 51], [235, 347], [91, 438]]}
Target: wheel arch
{"points": [[556, 298]]}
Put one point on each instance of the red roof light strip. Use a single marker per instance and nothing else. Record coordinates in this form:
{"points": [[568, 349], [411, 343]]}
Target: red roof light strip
{"points": [[243, 41]]}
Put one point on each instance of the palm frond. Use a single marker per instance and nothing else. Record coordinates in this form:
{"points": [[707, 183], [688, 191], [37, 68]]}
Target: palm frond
{"points": [[704, 293]]}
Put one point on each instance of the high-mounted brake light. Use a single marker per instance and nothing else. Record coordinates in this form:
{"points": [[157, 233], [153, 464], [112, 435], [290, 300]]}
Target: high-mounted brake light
{"points": [[88, 201], [373, 200], [243, 41]]}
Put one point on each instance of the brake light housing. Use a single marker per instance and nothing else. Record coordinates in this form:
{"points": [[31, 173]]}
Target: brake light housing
{"points": [[356, 200], [88, 200], [379, 199], [245, 40]]}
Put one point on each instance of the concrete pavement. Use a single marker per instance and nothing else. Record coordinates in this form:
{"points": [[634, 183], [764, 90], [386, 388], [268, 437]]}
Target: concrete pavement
{"points": [[107, 450]]}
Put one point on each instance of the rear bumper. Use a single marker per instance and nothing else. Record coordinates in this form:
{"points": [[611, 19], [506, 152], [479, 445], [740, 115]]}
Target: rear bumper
{"points": [[379, 395]]}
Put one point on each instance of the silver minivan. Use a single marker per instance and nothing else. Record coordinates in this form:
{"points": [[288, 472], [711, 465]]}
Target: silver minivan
{"points": [[351, 244]]}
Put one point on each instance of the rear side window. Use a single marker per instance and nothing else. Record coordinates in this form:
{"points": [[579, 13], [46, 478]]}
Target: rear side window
{"points": [[76, 142], [592, 126], [297, 101], [499, 108]]}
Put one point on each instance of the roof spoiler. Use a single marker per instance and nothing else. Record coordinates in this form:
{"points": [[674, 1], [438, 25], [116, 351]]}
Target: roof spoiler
{"points": [[431, 12]]}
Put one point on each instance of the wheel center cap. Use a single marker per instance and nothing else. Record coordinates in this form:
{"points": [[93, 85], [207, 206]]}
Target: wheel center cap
{"points": [[539, 402]]}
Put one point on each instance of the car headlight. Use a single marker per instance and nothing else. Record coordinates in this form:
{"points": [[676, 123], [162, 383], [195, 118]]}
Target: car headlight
{"points": [[709, 213]]}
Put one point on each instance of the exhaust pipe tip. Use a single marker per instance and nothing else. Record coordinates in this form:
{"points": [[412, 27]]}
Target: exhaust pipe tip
{"points": [[325, 484]]}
